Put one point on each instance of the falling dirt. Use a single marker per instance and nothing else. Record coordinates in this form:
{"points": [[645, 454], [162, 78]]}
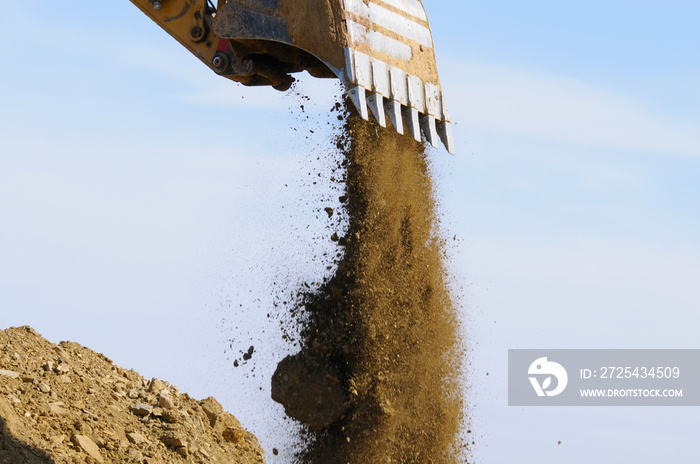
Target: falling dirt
{"points": [[378, 377]]}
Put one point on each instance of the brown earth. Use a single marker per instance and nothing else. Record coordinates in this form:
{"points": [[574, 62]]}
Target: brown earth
{"points": [[377, 379], [66, 404]]}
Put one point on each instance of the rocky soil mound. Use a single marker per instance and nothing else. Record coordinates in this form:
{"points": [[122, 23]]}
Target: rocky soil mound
{"points": [[66, 404]]}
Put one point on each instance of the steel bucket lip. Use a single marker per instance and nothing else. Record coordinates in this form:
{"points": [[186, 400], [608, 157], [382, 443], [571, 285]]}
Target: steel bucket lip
{"points": [[382, 87]]}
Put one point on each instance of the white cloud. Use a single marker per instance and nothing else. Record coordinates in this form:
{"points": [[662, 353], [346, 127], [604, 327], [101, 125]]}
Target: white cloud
{"points": [[503, 99]]}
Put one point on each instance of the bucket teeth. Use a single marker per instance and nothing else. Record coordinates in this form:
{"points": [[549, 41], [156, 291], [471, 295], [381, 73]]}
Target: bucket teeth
{"points": [[386, 90], [376, 104], [445, 131], [357, 95], [393, 109], [411, 115], [444, 128], [427, 123]]}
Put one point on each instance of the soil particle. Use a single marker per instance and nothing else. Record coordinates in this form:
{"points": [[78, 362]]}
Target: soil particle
{"points": [[310, 392], [135, 438], [7, 373], [234, 435], [141, 409], [88, 446], [248, 354]]}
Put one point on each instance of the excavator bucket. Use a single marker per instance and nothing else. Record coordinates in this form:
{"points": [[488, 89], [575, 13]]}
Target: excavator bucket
{"points": [[381, 50]]}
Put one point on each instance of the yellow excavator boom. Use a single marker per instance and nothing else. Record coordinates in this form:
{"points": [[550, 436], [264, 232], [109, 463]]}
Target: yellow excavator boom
{"points": [[381, 50]]}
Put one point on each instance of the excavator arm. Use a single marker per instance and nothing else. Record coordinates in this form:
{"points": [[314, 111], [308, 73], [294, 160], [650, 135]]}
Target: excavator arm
{"points": [[190, 22], [382, 51]]}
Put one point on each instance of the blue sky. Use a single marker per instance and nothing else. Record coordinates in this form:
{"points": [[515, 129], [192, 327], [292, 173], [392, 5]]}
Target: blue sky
{"points": [[144, 199]]}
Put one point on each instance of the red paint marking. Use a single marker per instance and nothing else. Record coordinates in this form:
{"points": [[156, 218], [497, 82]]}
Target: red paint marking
{"points": [[223, 45]]}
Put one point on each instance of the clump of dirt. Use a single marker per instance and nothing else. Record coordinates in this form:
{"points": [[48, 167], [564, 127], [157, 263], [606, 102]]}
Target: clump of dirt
{"points": [[66, 404], [377, 379]]}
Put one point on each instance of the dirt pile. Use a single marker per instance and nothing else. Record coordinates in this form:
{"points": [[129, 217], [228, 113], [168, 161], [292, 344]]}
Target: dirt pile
{"points": [[66, 404], [377, 378]]}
